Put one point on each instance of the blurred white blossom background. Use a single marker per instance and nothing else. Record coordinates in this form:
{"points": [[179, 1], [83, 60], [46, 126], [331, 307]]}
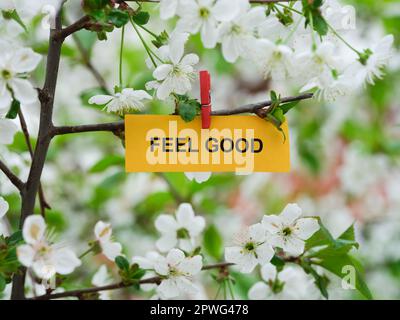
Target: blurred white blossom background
{"points": [[345, 144]]}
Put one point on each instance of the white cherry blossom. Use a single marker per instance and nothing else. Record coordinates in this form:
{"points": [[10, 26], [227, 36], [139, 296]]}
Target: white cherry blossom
{"points": [[313, 63], [237, 36], [204, 16], [177, 71], [274, 59], [293, 284], [43, 257], [379, 57], [124, 101], [199, 177], [252, 249], [3, 210], [338, 16], [103, 233], [330, 86], [15, 65], [177, 273], [181, 230], [288, 231]]}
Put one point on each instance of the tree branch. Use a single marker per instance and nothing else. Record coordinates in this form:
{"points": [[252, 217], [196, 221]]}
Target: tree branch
{"points": [[43, 203], [75, 27], [46, 97], [119, 126], [115, 286], [11, 176]]}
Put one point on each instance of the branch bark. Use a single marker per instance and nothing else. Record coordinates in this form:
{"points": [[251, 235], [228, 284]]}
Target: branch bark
{"points": [[115, 286], [43, 203], [11, 176], [46, 97], [118, 127]]}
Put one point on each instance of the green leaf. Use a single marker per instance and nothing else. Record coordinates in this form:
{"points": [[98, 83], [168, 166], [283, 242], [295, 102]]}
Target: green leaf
{"points": [[135, 273], [321, 281], [13, 112], [187, 111], [141, 18], [278, 262], [335, 264], [15, 238], [122, 263], [13, 15], [118, 17], [320, 25], [213, 242], [107, 162], [2, 283], [288, 106]]}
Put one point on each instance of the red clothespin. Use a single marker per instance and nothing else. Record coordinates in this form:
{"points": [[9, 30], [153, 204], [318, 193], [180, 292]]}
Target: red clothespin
{"points": [[205, 94]]}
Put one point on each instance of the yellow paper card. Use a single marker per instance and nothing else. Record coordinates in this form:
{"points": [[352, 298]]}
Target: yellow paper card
{"points": [[242, 144]]}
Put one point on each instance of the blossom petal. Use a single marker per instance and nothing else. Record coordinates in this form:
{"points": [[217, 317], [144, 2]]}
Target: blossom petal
{"points": [[176, 46], [290, 213], [161, 266], [100, 99], [199, 177], [164, 90], [43, 269], [209, 34], [5, 100], [25, 254], [306, 227], [175, 257], [166, 224], [268, 272], [7, 131], [245, 262], [168, 8], [162, 71], [190, 59], [23, 91], [34, 229], [141, 94], [167, 242], [3, 207], [253, 18], [264, 253], [229, 49], [185, 214], [257, 232], [111, 249], [102, 231], [294, 246], [168, 289], [225, 10], [65, 261], [191, 266], [272, 223], [25, 60], [259, 291]]}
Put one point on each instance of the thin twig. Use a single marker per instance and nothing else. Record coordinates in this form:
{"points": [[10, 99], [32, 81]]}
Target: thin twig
{"points": [[87, 62], [82, 23], [11, 176], [118, 127], [119, 285], [42, 200]]}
